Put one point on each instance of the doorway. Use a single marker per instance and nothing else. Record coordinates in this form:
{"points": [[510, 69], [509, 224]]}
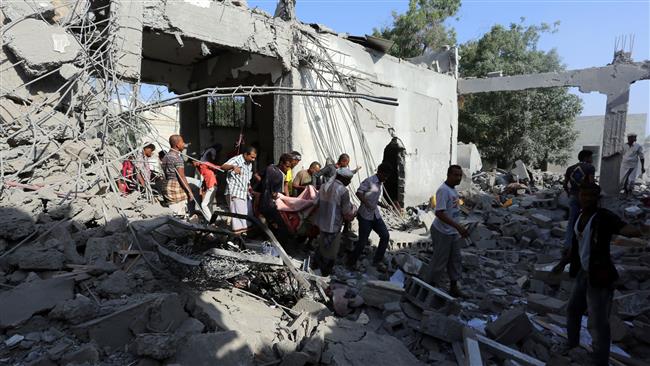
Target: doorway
{"points": [[395, 156]]}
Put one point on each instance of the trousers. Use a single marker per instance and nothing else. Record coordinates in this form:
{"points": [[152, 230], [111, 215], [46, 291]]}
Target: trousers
{"points": [[365, 227], [597, 302], [445, 258]]}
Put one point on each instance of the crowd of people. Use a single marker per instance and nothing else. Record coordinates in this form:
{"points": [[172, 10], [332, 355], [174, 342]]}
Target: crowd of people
{"points": [[250, 191]]}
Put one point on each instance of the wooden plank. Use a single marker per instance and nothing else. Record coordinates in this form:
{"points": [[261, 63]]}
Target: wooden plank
{"points": [[435, 290], [472, 349], [459, 353], [501, 350]]}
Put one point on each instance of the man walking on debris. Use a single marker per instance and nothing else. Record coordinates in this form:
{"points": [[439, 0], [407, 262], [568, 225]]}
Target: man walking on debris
{"points": [[632, 153], [369, 193], [594, 271], [240, 173], [581, 173], [447, 234], [334, 207], [176, 190]]}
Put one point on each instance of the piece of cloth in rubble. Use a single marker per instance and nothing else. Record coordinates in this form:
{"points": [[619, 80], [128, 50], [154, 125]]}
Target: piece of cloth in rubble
{"points": [[238, 183], [334, 206], [171, 163], [173, 192], [447, 199], [576, 174], [372, 189]]}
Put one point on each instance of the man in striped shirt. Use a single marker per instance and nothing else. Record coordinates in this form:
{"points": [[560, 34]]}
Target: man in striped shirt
{"points": [[239, 174]]}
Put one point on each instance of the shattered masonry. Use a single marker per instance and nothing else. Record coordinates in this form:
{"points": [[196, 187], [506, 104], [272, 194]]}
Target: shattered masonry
{"points": [[89, 276]]}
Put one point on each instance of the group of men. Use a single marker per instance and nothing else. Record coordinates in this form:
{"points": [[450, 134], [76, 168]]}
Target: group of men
{"points": [[587, 242]]}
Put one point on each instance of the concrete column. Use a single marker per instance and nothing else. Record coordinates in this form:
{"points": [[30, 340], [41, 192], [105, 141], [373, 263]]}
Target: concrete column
{"points": [[127, 45], [283, 116], [190, 129], [613, 140]]}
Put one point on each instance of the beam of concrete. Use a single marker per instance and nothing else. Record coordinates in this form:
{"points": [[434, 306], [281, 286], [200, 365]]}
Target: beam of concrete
{"points": [[610, 79], [215, 23]]}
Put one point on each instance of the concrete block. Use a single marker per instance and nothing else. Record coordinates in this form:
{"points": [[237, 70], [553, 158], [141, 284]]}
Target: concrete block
{"points": [[378, 293], [542, 220], [506, 241], [445, 328], [42, 46], [427, 297], [222, 348], [19, 304], [558, 232], [486, 244], [395, 322], [17, 9], [510, 327], [543, 304]]}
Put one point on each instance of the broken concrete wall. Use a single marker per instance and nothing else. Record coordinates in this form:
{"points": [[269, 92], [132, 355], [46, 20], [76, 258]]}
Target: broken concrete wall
{"points": [[426, 119]]}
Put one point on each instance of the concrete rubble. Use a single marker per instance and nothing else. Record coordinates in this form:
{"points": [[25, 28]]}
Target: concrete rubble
{"points": [[88, 276]]}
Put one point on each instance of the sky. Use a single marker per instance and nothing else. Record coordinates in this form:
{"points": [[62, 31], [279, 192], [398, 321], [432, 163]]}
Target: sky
{"points": [[586, 36]]}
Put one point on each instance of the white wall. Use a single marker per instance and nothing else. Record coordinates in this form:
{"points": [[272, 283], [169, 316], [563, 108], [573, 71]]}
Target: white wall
{"points": [[426, 119]]}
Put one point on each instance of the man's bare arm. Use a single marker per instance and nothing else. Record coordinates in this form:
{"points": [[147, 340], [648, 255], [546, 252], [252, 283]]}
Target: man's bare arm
{"points": [[442, 216]]}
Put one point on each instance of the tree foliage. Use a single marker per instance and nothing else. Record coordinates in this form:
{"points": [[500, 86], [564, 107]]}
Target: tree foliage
{"points": [[421, 28], [534, 125]]}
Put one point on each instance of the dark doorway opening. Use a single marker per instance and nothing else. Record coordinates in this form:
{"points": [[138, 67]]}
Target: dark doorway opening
{"points": [[395, 156]]}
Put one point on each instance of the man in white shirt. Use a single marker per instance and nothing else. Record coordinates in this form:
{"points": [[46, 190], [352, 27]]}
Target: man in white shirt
{"points": [[369, 193], [240, 173], [334, 208], [447, 234], [632, 153]]}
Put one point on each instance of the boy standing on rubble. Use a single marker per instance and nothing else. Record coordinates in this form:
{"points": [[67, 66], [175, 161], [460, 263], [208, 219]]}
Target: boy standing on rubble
{"points": [[594, 271], [176, 190], [447, 234], [576, 175]]}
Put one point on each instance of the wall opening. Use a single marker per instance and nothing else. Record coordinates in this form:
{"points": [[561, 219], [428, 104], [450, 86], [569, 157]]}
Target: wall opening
{"points": [[395, 155]]}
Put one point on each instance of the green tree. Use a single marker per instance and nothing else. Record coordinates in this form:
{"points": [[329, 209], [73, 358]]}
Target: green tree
{"points": [[534, 125], [421, 28]]}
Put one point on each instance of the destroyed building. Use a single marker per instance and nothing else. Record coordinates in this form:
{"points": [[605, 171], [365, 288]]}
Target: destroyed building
{"points": [[89, 276]]}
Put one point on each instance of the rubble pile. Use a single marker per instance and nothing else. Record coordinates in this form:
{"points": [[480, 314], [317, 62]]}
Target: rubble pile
{"points": [[88, 276]]}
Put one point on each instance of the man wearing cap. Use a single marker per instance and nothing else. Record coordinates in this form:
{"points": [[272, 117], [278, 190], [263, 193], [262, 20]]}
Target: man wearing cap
{"points": [[632, 153], [334, 208], [369, 193]]}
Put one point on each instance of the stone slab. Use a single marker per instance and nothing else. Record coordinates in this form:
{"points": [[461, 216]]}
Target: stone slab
{"points": [[19, 304]]}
